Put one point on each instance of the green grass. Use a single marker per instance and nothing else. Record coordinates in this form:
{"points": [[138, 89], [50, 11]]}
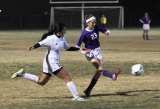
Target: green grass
{"points": [[121, 50]]}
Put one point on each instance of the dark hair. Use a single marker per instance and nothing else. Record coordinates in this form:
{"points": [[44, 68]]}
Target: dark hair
{"points": [[58, 28], [50, 29], [53, 29]]}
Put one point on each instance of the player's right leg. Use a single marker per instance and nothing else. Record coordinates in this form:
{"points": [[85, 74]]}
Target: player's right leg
{"points": [[19, 73], [95, 78], [93, 82], [42, 80]]}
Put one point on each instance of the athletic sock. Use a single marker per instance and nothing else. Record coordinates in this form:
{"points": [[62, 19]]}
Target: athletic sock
{"points": [[107, 74], [31, 77], [91, 85], [73, 89]]}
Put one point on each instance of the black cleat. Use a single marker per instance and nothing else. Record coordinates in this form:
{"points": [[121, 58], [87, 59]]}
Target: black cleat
{"points": [[87, 93]]}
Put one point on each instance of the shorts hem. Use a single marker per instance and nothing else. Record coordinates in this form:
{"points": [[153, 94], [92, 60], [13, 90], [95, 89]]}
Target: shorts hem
{"points": [[57, 71]]}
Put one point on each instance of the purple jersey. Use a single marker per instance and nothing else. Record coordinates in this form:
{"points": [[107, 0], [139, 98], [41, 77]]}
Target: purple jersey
{"points": [[146, 20], [91, 37]]}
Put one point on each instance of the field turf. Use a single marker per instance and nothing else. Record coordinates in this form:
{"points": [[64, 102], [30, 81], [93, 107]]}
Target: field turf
{"points": [[122, 49]]}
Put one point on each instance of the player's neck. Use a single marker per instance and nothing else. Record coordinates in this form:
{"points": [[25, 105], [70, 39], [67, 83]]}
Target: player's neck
{"points": [[89, 28], [58, 35]]}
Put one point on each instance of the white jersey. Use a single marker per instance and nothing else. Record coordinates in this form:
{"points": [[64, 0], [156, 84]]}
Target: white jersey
{"points": [[55, 46]]}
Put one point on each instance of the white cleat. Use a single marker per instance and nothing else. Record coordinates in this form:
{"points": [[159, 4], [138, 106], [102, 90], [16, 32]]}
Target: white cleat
{"points": [[19, 73], [78, 99]]}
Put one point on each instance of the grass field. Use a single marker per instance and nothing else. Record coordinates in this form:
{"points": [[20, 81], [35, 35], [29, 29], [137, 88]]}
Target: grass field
{"points": [[121, 50]]}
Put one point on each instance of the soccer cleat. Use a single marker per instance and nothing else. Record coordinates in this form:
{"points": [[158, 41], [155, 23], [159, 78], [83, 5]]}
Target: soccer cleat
{"points": [[77, 98], [87, 93], [115, 75], [19, 73]]}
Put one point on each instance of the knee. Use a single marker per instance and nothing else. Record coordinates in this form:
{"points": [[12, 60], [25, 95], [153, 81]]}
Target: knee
{"points": [[67, 79], [97, 75], [42, 83], [94, 61], [99, 72]]}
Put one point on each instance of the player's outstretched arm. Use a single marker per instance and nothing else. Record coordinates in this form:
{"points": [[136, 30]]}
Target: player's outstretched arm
{"points": [[73, 49], [37, 45], [107, 33], [141, 21]]}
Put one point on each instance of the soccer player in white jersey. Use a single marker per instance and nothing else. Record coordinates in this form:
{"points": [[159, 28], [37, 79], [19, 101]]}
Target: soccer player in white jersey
{"points": [[145, 20], [55, 44], [93, 52]]}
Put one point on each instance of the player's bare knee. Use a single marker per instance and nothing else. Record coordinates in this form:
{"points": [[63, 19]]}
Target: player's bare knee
{"points": [[42, 83], [94, 61], [99, 71], [67, 78]]}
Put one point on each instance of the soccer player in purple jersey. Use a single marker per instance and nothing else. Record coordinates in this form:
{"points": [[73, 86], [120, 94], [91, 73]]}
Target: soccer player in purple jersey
{"points": [[145, 20], [92, 50]]}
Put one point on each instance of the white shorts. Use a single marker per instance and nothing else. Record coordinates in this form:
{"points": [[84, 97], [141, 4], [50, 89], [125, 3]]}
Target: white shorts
{"points": [[50, 66], [146, 27], [95, 53]]}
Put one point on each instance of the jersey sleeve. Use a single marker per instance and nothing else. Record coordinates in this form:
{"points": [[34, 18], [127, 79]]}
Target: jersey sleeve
{"points": [[45, 42], [45, 35], [141, 20], [102, 29], [78, 44], [149, 20], [66, 44]]}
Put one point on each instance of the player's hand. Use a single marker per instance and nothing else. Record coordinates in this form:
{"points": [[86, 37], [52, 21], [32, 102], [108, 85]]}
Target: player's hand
{"points": [[30, 48], [84, 50], [107, 33]]}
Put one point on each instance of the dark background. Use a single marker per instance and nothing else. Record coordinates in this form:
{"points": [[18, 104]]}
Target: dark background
{"points": [[35, 14]]}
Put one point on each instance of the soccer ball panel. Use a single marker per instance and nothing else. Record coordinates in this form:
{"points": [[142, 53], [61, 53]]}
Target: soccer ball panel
{"points": [[137, 69]]}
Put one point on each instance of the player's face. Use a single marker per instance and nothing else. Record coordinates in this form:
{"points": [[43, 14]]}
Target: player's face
{"points": [[146, 14], [91, 24], [62, 32]]}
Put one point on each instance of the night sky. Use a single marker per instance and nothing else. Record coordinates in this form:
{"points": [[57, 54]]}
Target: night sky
{"points": [[133, 10]]}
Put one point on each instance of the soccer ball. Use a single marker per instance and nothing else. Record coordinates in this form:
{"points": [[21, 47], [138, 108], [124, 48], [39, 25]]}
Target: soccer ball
{"points": [[137, 69]]}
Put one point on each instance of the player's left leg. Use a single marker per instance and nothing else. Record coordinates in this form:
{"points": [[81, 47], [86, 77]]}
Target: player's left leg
{"points": [[98, 65], [144, 35], [112, 75], [68, 80]]}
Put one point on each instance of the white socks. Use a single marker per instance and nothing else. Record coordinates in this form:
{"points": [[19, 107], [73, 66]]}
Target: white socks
{"points": [[73, 89], [70, 85], [30, 77]]}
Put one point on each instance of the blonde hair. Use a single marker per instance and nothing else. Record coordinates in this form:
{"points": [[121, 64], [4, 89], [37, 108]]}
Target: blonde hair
{"points": [[87, 17]]}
